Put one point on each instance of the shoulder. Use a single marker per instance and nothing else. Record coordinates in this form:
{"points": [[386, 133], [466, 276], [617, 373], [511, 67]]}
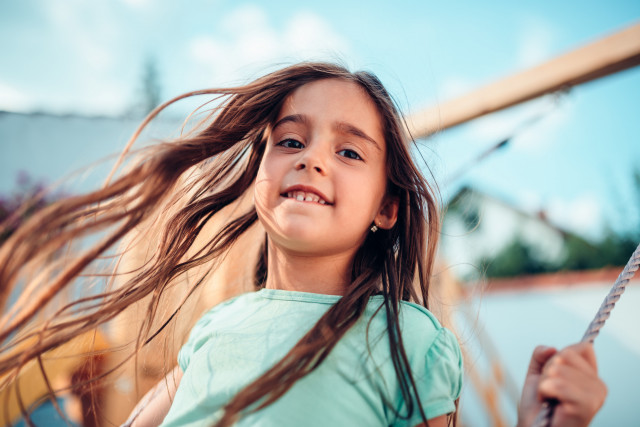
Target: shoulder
{"points": [[416, 313], [227, 306], [435, 358], [418, 323], [214, 311], [426, 340], [422, 334], [201, 331]]}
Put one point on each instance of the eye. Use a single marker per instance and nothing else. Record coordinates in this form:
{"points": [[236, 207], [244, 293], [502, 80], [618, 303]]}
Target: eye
{"points": [[291, 143], [349, 154]]}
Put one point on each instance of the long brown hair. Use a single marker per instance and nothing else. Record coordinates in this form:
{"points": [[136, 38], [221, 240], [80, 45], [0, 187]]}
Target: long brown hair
{"points": [[228, 149]]}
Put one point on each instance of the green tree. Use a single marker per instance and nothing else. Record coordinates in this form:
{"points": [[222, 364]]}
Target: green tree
{"points": [[151, 86], [149, 93], [516, 259], [612, 250]]}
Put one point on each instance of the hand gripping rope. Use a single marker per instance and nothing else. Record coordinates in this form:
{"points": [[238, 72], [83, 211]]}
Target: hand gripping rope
{"points": [[546, 413]]}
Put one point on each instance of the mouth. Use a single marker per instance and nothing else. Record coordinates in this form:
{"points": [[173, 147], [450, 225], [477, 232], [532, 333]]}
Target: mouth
{"points": [[305, 195]]}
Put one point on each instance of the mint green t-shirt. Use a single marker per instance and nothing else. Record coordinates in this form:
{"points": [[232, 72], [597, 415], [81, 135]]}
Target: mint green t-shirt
{"points": [[356, 385]]}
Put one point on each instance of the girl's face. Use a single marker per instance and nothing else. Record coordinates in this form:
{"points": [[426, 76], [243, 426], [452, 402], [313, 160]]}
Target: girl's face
{"points": [[322, 180]]}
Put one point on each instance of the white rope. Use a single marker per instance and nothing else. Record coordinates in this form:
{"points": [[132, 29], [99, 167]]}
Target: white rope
{"points": [[546, 413]]}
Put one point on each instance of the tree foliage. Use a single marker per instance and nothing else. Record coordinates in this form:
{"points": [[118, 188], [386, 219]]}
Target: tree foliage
{"points": [[613, 249], [518, 259]]}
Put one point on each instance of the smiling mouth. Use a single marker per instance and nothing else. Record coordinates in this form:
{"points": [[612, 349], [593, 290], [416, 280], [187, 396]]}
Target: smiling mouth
{"points": [[304, 196]]}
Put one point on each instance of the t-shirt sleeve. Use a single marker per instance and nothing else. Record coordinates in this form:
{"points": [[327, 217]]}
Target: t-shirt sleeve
{"points": [[197, 338], [200, 334], [438, 378]]}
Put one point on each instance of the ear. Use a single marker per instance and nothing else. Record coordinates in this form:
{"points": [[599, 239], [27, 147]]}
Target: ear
{"points": [[388, 213]]}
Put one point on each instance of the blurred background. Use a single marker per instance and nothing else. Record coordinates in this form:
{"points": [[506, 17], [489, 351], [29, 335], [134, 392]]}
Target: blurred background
{"points": [[542, 199]]}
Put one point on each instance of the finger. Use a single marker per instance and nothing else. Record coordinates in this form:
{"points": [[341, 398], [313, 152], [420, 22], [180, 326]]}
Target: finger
{"points": [[570, 385], [569, 374], [563, 391], [574, 400], [587, 352], [540, 357], [579, 356]]}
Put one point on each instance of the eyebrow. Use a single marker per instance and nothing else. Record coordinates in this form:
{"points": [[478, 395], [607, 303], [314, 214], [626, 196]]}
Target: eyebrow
{"points": [[342, 127], [345, 127], [293, 118]]}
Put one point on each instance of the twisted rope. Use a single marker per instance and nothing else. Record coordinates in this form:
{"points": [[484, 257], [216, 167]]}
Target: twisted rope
{"points": [[546, 413]]}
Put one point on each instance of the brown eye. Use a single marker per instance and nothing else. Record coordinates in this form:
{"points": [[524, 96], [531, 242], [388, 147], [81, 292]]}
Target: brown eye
{"points": [[291, 143], [349, 154]]}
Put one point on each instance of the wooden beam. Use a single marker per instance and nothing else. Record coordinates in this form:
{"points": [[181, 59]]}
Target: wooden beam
{"points": [[606, 56]]}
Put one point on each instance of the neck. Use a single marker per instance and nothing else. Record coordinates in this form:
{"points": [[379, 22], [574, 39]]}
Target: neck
{"points": [[304, 273]]}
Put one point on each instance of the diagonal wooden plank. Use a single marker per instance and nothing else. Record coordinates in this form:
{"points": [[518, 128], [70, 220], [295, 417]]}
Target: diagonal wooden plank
{"points": [[601, 58]]}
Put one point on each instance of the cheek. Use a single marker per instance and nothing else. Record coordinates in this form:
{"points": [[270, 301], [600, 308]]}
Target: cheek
{"points": [[270, 167], [266, 191], [369, 190], [365, 195], [261, 188]]}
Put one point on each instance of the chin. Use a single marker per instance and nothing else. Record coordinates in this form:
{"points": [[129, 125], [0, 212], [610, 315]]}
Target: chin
{"points": [[302, 241], [313, 244]]}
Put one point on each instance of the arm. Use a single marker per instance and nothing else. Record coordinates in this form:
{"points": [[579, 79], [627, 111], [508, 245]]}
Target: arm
{"points": [[154, 406], [440, 421], [569, 376]]}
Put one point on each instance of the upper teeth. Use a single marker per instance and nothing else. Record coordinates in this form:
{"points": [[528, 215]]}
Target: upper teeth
{"points": [[302, 196]]}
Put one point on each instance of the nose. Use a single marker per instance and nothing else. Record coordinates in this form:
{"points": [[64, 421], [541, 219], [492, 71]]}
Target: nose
{"points": [[313, 159], [303, 165]]}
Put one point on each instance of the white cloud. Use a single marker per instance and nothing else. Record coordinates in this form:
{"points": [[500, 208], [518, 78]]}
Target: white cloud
{"points": [[308, 34], [542, 134], [536, 42], [248, 42], [108, 97], [493, 127], [534, 125], [455, 86], [137, 4], [87, 30], [98, 49], [245, 18], [12, 99], [582, 214], [528, 200], [82, 43]]}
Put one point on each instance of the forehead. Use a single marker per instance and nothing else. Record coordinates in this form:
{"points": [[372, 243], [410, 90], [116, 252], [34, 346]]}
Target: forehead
{"points": [[335, 100]]}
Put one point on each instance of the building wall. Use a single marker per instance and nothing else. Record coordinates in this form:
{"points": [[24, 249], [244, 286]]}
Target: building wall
{"points": [[477, 227]]}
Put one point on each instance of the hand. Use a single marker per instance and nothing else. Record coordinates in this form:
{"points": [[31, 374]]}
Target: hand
{"points": [[571, 378]]}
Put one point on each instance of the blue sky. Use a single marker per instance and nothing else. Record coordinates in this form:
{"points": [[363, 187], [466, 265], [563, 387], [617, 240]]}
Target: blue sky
{"points": [[86, 57]]}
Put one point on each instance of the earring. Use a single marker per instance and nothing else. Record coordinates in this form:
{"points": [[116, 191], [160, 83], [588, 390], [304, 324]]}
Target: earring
{"points": [[374, 228]]}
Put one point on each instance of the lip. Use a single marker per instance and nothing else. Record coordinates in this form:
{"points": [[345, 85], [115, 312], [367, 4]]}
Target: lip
{"points": [[307, 189]]}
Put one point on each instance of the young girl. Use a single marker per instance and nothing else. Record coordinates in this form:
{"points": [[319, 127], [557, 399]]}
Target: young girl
{"points": [[338, 332]]}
